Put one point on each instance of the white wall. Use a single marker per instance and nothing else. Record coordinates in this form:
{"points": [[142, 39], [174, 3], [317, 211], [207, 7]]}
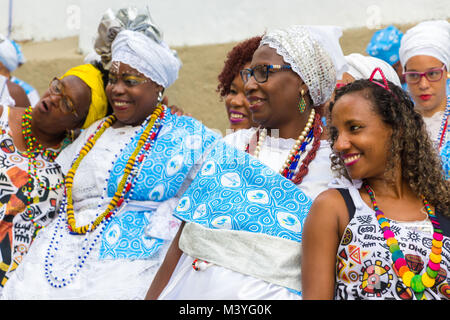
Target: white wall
{"points": [[194, 22]]}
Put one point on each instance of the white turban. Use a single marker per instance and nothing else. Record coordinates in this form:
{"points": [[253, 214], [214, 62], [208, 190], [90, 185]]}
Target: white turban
{"points": [[8, 54], [155, 60], [314, 53], [361, 67], [429, 38]]}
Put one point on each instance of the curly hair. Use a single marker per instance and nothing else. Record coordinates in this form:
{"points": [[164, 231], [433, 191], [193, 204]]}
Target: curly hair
{"points": [[241, 54], [410, 144]]}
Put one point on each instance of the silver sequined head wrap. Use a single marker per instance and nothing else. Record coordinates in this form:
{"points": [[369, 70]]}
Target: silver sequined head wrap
{"points": [[314, 54]]}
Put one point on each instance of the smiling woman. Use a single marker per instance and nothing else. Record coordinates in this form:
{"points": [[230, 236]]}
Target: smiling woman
{"points": [[390, 176]]}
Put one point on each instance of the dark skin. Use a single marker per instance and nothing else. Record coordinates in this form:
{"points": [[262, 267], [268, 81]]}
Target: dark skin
{"points": [[49, 124], [276, 108], [362, 135], [399, 69]]}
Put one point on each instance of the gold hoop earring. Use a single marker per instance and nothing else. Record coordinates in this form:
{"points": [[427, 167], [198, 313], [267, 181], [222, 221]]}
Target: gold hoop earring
{"points": [[302, 102]]}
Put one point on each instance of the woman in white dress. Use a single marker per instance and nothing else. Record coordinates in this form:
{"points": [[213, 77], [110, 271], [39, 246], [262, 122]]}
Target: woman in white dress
{"points": [[380, 231], [230, 245]]}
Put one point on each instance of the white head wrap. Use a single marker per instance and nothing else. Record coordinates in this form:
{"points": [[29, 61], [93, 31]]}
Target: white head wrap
{"points": [[131, 37], [429, 38], [155, 60], [8, 54], [314, 53], [361, 67]]}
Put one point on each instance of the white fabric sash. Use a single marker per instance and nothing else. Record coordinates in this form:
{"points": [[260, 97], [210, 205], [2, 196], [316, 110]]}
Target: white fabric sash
{"points": [[265, 257]]}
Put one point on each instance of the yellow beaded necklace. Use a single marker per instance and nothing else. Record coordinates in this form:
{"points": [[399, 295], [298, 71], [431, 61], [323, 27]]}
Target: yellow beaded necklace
{"points": [[116, 201]]}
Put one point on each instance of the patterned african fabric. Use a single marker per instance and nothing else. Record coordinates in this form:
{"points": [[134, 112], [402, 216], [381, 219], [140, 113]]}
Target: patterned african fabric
{"points": [[17, 231]]}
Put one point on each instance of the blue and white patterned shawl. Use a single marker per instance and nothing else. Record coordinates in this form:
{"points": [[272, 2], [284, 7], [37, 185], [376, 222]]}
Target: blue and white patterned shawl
{"points": [[180, 144]]}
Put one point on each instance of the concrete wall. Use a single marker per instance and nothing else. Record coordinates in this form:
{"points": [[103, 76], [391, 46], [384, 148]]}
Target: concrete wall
{"points": [[195, 22]]}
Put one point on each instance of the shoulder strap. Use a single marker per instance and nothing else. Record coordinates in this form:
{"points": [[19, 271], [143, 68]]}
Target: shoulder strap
{"points": [[348, 201]]}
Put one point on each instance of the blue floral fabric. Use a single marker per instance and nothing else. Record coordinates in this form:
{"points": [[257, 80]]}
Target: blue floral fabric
{"points": [[236, 191], [385, 44]]}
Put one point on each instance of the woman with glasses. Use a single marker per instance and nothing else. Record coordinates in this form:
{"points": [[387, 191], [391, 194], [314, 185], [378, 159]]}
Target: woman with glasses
{"points": [[425, 56], [231, 87], [30, 140], [380, 231], [249, 246], [123, 176]]}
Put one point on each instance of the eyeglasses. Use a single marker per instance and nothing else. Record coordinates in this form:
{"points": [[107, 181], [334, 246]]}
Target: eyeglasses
{"points": [[66, 105], [129, 80], [431, 75], [261, 72]]}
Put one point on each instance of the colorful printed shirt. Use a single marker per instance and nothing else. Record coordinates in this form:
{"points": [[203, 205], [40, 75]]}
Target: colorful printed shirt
{"points": [[364, 267]]}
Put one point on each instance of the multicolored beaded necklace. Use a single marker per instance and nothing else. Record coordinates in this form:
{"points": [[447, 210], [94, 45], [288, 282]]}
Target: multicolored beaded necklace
{"points": [[290, 165], [145, 143], [34, 148], [418, 283], [443, 129]]}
